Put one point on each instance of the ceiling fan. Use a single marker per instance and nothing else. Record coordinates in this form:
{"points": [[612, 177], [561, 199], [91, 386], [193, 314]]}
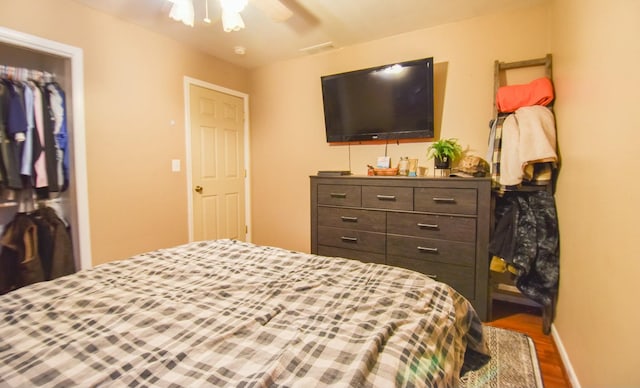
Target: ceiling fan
{"points": [[182, 10]]}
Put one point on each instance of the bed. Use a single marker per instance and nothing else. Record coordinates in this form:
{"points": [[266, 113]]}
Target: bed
{"points": [[231, 313]]}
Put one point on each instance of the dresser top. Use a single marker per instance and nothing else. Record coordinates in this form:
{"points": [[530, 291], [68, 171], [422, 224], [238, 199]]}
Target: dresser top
{"points": [[448, 178]]}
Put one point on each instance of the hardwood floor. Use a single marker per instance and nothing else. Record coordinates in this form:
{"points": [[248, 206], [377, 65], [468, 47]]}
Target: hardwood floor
{"points": [[528, 320]]}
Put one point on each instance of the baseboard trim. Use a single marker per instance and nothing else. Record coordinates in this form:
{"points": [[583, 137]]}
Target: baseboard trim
{"points": [[571, 374]]}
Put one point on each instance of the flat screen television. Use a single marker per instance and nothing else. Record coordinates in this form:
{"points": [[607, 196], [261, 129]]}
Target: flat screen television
{"points": [[390, 102]]}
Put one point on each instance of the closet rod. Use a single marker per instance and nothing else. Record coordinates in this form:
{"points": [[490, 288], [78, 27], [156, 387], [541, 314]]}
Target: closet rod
{"points": [[23, 73]]}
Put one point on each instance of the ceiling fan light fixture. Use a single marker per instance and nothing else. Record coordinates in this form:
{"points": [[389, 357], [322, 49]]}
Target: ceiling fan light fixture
{"points": [[234, 6], [231, 21], [182, 11]]}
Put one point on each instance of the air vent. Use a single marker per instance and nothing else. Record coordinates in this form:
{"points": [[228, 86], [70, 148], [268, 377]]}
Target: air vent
{"points": [[318, 48]]}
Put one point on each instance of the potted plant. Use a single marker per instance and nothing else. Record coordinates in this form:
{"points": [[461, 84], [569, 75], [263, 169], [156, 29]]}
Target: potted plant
{"points": [[444, 152]]}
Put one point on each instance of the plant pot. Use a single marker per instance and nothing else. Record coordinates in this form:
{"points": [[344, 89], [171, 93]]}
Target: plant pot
{"points": [[442, 162]]}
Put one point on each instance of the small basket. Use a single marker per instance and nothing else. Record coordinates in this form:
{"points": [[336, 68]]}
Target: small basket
{"points": [[385, 171]]}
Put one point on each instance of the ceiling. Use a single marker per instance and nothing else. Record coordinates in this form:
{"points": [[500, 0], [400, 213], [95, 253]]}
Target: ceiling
{"points": [[323, 24]]}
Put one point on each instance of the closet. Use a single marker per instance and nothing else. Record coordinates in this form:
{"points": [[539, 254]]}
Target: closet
{"points": [[524, 247], [63, 64]]}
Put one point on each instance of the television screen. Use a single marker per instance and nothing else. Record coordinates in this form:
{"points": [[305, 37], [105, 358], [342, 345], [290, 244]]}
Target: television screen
{"points": [[387, 102]]}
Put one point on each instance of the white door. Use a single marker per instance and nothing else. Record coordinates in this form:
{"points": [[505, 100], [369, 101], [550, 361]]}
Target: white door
{"points": [[217, 163]]}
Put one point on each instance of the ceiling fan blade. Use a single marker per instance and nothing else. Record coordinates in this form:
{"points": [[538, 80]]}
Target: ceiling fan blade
{"points": [[274, 9]]}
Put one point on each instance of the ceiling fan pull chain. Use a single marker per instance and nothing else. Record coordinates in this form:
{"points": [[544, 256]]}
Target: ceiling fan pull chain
{"points": [[206, 12]]}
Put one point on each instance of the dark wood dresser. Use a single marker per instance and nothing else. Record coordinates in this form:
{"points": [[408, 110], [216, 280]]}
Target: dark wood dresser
{"points": [[437, 226]]}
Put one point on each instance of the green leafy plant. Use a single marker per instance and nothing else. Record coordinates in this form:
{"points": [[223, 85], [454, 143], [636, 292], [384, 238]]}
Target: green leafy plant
{"points": [[444, 152]]}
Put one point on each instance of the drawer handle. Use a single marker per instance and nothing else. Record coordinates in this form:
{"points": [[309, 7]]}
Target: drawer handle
{"points": [[428, 249], [430, 226], [444, 199], [349, 239], [338, 195], [349, 219], [386, 197]]}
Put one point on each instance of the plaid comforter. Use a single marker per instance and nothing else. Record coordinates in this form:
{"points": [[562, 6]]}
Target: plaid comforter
{"points": [[229, 313]]}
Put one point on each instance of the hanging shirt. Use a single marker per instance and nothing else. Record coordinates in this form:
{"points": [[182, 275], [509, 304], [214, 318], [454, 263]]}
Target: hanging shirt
{"points": [[16, 118], [49, 143], [58, 108], [26, 168], [39, 164], [10, 117]]}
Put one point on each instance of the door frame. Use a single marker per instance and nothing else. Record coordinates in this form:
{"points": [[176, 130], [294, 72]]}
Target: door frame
{"points": [[188, 82]]}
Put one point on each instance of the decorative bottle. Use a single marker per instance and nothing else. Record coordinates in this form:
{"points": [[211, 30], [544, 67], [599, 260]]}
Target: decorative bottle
{"points": [[403, 166]]}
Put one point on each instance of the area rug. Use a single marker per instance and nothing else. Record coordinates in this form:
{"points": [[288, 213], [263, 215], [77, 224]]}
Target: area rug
{"points": [[513, 364]]}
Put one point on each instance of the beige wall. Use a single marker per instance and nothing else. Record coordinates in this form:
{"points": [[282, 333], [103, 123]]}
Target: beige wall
{"points": [[133, 90], [287, 124], [596, 55]]}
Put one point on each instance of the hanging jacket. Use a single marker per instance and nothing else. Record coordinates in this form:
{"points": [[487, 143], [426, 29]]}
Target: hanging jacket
{"points": [[54, 244], [10, 162], [19, 259], [35, 247], [50, 142], [526, 236]]}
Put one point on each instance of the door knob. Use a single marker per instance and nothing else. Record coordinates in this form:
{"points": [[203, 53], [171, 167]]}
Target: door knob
{"points": [[198, 189]]}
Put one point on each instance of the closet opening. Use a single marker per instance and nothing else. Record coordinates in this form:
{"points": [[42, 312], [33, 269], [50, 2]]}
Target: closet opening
{"points": [[53, 65]]}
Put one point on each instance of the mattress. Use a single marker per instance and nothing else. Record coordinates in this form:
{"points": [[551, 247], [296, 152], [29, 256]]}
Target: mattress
{"points": [[230, 313]]}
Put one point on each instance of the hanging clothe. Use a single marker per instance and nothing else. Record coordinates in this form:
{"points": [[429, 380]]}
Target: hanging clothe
{"points": [[58, 109], [528, 138], [20, 263], [33, 133], [26, 164], [526, 236], [54, 244], [13, 121], [35, 247], [16, 117], [40, 179], [49, 144], [522, 149]]}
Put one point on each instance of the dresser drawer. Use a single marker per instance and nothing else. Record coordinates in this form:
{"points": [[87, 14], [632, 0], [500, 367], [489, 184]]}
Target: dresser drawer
{"points": [[462, 279], [340, 195], [357, 219], [365, 257], [432, 226], [446, 200], [394, 198], [352, 239], [450, 252]]}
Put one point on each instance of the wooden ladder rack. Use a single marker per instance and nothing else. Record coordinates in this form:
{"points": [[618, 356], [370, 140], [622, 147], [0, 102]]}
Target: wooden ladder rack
{"points": [[500, 67]]}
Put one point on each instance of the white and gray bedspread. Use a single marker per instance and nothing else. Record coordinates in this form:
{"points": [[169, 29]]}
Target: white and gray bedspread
{"points": [[229, 313]]}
